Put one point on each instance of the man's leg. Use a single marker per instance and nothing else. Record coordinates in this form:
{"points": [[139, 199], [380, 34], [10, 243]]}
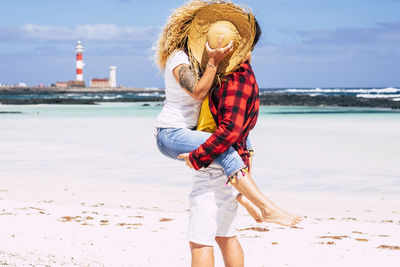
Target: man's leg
{"points": [[231, 250], [225, 237], [202, 255], [202, 226]]}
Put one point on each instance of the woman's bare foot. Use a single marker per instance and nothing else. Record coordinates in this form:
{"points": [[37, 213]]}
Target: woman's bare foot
{"points": [[253, 211], [280, 216]]}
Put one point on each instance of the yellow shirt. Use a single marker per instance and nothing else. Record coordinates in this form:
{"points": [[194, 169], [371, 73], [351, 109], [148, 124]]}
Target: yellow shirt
{"points": [[206, 121]]}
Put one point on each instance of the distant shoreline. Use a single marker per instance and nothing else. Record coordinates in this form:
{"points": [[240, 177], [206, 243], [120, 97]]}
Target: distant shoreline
{"points": [[78, 90], [267, 99]]}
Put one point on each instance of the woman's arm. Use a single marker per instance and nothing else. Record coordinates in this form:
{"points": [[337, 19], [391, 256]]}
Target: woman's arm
{"points": [[187, 78]]}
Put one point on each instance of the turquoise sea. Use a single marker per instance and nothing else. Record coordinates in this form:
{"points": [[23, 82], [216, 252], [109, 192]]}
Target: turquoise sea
{"points": [[151, 109]]}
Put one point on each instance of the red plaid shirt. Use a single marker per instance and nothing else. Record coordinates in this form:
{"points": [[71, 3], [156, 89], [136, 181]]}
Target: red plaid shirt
{"points": [[235, 107]]}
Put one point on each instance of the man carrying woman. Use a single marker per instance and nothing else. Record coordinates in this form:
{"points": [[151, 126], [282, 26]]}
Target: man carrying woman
{"points": [[204, 42]]}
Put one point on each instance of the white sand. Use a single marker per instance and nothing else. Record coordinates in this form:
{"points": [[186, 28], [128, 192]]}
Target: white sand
{"points": [[77, 192]]}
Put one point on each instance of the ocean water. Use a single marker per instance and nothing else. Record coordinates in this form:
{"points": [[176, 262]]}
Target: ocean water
{"points": [[103, 110], [324, 149], [151, 109], [389, 93]]}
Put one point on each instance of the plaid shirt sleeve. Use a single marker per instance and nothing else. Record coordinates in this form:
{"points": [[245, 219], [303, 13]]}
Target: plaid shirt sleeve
{"points": [[231, 110]]}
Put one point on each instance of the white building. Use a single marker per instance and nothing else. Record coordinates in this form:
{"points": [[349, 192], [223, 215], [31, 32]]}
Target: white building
{"points": [[113, 77]]}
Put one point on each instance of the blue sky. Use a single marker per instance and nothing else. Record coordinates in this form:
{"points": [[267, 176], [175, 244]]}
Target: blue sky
{"points": [[305, 43]]}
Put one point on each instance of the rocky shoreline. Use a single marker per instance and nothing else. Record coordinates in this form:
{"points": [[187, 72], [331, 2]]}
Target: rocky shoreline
{"points": [[335, 101], [267, 99]]}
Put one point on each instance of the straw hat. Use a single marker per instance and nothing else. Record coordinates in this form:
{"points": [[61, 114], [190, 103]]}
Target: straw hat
{"points": [[214, 20]]}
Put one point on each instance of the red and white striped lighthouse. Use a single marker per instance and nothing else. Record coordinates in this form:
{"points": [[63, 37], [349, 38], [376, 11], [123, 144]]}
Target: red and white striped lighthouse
{"points": [[79, 62]]}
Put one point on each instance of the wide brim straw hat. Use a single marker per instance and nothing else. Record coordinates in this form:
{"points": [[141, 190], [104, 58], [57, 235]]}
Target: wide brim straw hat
{"points": [[221, 17]]}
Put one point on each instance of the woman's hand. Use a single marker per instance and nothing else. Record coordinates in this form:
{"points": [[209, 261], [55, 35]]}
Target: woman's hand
{"points": [[216, 55], [187, 78], [185, 156]]}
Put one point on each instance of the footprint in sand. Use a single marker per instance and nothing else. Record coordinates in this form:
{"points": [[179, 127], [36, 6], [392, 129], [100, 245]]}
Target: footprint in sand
{"points": [[389, 247], [129, 224], [349, 219], [6, 213], [165, 220], [339, 237], [362, 239], [327, 243], [296, 227], [70, 219], [257, 229]]}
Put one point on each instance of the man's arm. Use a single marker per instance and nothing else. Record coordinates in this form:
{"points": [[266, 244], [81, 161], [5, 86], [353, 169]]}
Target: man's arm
{"points": [[232, 107]]}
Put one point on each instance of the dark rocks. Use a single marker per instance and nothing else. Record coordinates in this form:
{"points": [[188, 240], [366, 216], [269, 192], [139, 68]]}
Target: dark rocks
{"points": [[338, 101], [31, 95], [35, 101], [10, 112]]}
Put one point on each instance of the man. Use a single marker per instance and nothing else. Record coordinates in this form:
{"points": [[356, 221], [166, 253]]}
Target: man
{"points": [[234, 106], [239, 88]]}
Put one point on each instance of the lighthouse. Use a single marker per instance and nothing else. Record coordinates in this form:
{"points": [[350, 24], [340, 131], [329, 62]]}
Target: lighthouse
{"points": [[79, 62]]}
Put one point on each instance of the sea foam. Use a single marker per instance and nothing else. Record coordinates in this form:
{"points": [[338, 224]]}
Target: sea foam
{"points": [[342, 90]]}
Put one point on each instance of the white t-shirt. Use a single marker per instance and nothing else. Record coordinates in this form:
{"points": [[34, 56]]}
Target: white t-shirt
{"points": [[180, 110]]}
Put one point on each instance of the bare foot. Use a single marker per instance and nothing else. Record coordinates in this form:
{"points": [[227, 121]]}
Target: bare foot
{"points": [[280, 216], [253, 211]]}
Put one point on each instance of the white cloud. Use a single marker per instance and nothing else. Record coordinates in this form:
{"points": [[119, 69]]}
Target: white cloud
{"points": [[85, 32]]}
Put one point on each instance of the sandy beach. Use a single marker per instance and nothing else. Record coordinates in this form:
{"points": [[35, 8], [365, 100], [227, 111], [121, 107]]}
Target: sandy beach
{"points": [[95, 191]]}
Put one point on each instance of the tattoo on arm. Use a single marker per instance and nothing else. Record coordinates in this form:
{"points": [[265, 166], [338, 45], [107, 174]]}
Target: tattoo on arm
{"points": [[187, 78]]}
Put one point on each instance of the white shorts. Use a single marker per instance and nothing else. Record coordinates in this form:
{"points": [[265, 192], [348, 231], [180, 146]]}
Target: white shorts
{"points": [[213, 207]]}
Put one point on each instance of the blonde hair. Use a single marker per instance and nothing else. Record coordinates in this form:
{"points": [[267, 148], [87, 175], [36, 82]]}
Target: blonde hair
{"points": [[174, 35], [175, 32]]}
